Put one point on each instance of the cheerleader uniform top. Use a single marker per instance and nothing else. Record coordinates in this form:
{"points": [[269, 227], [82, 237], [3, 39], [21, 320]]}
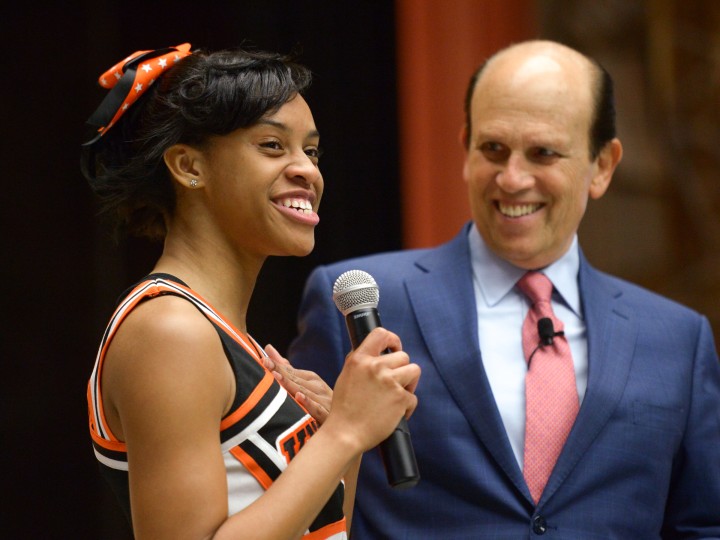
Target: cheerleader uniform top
{"points": [[263, 430]]}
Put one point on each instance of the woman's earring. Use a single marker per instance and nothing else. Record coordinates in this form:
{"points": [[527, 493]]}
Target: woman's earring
{"points": [[193, 183]]}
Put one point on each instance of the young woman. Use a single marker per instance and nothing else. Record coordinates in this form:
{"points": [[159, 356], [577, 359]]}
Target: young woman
{"points": [[217, 154]]}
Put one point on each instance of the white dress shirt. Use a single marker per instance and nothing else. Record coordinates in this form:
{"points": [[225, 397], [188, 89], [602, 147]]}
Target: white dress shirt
{"points": [[501, 310]]}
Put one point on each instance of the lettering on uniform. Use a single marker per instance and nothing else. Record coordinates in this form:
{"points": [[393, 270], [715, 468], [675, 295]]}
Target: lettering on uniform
{"points": [[292, 440]]}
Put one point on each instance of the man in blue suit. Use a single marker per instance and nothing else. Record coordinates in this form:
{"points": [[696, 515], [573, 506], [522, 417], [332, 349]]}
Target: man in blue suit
{"points": [[642, 459]]}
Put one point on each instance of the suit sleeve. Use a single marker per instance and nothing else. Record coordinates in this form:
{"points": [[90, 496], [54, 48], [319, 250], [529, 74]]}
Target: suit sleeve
{"points": [[693, 508], [322, 342]]}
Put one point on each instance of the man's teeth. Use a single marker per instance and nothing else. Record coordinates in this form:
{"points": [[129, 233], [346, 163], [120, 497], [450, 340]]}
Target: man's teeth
{"points": [[518, 210], [301, 205]]}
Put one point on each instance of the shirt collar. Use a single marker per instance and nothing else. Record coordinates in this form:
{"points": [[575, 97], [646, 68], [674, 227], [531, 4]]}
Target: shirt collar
{"points": [[496, 277]]}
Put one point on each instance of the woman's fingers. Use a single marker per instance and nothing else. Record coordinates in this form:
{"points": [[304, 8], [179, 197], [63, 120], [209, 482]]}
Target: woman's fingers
{"points": [[376, 385], [274, 356], [378, 341], [384, 348], [305, 386]]}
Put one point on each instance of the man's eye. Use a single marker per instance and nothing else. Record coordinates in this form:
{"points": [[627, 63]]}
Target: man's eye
{"points": [[494, 151], [543, 154]]}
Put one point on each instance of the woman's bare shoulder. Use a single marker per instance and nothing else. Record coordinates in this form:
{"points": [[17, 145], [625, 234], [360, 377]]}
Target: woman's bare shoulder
{"points": [[166, 359]]}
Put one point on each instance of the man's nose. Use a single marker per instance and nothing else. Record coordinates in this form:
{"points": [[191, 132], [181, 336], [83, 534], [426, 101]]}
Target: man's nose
{"points": [[514, 175]]}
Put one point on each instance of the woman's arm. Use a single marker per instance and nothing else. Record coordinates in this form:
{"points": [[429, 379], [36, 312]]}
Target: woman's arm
{"points": [[166, 386], [369, 397], [316, 396]]}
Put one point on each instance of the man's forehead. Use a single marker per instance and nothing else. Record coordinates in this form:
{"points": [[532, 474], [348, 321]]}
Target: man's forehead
{"points": [[537, 83]]}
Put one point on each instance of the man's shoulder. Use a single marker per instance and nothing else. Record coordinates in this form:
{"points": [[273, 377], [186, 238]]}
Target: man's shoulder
{"points": [[399, 262], [384, 261], [638, 296]]}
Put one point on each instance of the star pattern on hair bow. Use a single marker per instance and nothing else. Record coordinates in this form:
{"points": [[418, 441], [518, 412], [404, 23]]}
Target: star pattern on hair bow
{"points": [[143, 77]]}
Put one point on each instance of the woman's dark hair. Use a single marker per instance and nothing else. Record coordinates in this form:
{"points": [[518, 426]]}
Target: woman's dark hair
{"points": [[203, 95], [602, 126]]}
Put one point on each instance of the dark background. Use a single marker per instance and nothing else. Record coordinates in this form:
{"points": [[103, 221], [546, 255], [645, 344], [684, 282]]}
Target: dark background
{"points": [[62, 271]]}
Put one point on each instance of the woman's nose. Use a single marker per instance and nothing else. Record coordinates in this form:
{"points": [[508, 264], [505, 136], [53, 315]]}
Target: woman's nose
{"points": [[305, 168]]}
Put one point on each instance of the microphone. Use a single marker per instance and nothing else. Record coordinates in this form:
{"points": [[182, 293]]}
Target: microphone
{"points": [[356, 295], [547, 332]]}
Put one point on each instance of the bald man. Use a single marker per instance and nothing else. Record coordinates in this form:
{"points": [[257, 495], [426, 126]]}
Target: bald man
{"points": [[607, 424]]}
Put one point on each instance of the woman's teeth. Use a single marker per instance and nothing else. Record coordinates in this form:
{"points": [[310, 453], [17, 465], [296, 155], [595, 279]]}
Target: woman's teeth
{"points": [[301, 205]]}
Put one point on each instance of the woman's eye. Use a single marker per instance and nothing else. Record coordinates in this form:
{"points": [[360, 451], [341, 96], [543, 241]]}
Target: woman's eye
{"points": [[272, 145], [313, 153]]}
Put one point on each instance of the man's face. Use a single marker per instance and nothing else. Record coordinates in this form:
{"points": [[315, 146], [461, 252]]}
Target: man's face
{"points": [[528, 165]]}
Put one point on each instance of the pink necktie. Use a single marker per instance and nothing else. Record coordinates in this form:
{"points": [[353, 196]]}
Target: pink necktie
{"points": [[551, 399]]}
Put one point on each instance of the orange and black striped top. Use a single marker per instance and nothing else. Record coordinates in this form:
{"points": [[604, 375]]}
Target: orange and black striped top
{"points": [[263, 430]]}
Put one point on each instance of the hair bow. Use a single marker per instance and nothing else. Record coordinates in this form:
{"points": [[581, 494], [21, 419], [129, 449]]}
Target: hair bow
{"points": [[127, 81]]}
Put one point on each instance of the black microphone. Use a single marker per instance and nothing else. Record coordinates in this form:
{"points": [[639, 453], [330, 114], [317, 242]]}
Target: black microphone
{"points": [[547, 332], [356, 295]]}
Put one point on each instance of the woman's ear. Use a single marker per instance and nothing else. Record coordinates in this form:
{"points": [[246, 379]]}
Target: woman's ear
{"points": [[185, 164]]}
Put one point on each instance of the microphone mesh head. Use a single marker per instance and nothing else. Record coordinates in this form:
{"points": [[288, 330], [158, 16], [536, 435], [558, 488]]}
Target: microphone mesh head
{"points": [[354, 290]]}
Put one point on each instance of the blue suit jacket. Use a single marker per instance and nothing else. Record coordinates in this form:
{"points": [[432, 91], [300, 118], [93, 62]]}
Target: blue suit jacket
{"points": [[642, 460]]}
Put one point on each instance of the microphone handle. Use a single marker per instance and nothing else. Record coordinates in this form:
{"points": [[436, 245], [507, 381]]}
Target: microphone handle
{"points": [[397, 450]]}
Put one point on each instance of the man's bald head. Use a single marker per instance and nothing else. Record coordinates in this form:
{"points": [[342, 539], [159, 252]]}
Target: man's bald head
{"points": [[527, 62]]}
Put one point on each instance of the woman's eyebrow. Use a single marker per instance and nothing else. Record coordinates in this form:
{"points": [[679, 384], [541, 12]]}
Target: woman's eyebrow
{"points": [[284, 127]]}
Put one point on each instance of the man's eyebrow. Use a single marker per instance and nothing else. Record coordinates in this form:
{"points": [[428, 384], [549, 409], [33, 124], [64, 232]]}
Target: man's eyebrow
{"points": [[283, 127]]}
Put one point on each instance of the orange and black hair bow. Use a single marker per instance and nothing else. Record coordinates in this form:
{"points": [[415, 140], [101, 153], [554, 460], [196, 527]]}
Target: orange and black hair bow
{"points": [[127, 81]]}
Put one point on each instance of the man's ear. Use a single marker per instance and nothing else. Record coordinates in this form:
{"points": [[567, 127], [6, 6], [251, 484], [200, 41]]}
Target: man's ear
{"points": [[185, 164], [463, 137], [607, 161], [464, 142]]}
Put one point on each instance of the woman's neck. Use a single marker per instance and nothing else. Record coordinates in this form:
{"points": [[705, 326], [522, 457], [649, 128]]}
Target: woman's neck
{"points": [[223, 277]]}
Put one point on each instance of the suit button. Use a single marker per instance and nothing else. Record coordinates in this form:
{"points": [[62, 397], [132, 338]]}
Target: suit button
{"points": [[539, 525]]}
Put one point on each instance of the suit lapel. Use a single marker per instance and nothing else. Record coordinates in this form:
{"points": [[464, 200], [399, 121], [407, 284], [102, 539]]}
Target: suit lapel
{"points": [[611, 335], [443, 301]]}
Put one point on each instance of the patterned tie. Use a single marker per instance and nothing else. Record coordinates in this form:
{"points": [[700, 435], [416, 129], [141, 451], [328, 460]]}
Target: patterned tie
{"points": [[551, 399]]}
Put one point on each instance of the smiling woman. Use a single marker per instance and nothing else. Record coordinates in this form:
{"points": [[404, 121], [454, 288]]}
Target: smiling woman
{"points": [[255, 172], [217, 154]]}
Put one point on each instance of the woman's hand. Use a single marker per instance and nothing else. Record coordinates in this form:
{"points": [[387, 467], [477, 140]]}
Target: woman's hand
{"points": [[306, 387], [374, 390]]}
